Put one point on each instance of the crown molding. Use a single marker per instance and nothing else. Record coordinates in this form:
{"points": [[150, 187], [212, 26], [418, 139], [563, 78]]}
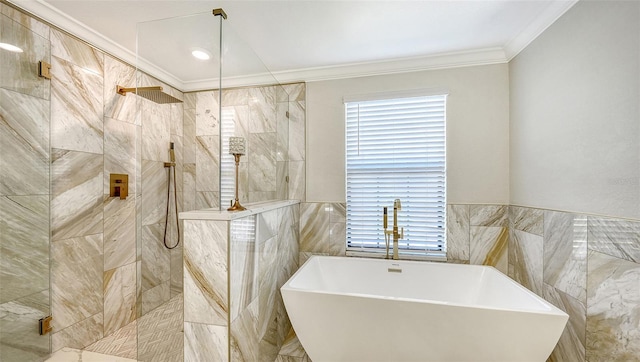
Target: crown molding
{"points": [[547, 17], [62, 21]]}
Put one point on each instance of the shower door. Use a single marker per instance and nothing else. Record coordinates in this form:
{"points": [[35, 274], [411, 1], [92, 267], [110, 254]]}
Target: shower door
{"points": [[24, 188]]}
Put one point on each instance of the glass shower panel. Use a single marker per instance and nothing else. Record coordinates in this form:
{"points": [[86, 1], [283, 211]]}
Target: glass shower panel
{"points": [[256, 107], [24, 192]]}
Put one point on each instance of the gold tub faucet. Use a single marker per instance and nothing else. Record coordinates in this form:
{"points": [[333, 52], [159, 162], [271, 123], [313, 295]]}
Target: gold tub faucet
{"points": [[397, 206]]}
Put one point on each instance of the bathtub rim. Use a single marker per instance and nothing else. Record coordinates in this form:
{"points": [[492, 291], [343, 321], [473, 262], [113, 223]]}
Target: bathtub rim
{"points": [[550, 310]]}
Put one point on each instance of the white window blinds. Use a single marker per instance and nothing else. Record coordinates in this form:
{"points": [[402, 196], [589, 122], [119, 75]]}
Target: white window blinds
{"points": [[395, 149]]}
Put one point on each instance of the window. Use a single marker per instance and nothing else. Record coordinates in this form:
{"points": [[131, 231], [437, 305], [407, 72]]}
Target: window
{"points": [[395, 149]]}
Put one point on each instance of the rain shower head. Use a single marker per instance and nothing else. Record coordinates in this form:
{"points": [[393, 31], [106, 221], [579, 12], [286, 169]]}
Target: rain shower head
{"points": [[154, 94]]}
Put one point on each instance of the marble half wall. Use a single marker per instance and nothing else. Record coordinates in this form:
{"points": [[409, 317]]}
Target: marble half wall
{"points": [[233, 272]]}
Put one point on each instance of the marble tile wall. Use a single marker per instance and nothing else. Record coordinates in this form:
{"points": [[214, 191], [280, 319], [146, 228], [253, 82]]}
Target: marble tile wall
{"points": [[233, 308], [25, 101], [274, 166], [108, 264]]}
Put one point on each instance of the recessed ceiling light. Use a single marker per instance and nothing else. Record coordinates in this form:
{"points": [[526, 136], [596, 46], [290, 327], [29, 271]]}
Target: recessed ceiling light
{"points": [[11, 48], [201, 54]]}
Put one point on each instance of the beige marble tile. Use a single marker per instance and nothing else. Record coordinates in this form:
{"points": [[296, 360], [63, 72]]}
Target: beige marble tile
{"points": [[156, 130], [615, 237], [207, 200], [176, 271], [190, 100], [282, 186], [119, 297], [489, 215], [76, 108], [205, 272], [119, 232], [76, 280], [26, 21], [262, 109], [297, 131], [179, 167], [526, 257], [119, 151], [489, 246], [76, 355], [177, 117], [571, 346], [79, 335], [77, 194], [24, 246], [458, 232], [116, 106], [32, 37], [207, 163], [74, 51], [20, 341], [204, 342], [155, 297], [121, 343], [297, 180], [24, 142], [613, 308], [244, 339], [565, 252], [262, 162], [243, 266], [154, 192], [236, 117], [235, 97], [526, 219], [314, 228], [156, 258], [207, 113], [189, 186]]}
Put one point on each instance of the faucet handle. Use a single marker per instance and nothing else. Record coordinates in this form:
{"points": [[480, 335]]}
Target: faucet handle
{"points": [[402, 232]]}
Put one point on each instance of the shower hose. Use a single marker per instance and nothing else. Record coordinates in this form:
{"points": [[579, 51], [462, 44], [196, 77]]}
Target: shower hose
{"points": [[175, 203]]}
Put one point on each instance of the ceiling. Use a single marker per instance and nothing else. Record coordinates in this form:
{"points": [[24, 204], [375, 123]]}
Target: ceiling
{"points": [[303, 40]]}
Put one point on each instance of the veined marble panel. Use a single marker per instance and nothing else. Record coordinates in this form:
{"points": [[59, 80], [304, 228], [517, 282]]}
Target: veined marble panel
{"points": [[297, 180], [293, 92], [205, 272], [235, 97], [189, 186], [154, 192], [23, 77], [489, 246], [76, 355], [526, 219], [176, 270], [458, 232], [526, 258], [77, 52], [77, 194], [291, 350], [76, 108], [297, 131], [156, 130], [119, 232], [119, 297], [24, 142], [189, 136], [613, 308], [244, 337], [314, 228], [190, 100], [156, 258], [243, 266], [489, 215], [19, 340], [262, 162], [207, 200], [207, 113], [262, 108], [116, 106], [260, 196], [26, 20], [565, 253], [165, 325], [207, 163], [571, 346], [615, 237], [121, 343], [24, 246], [76, 280], [282, 171], [204, 342], [177, 116], [119, 151], [155, 297], [282, 132], [238, 118], [79, 335]]}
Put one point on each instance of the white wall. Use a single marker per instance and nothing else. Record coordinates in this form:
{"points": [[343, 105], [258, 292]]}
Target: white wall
{"points": [[575, 125], [477, 130]]}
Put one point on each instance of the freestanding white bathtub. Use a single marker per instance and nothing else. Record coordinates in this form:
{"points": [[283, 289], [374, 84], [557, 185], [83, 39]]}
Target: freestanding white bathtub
{"points": [[354, 309]]}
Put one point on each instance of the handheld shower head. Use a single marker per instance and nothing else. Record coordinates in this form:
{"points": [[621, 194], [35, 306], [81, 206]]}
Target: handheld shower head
{"points": [[172, 154]]}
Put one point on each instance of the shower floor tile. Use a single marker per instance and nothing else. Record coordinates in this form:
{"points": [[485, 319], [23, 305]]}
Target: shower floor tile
{"points": [[159, 334], [75, 355]]}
